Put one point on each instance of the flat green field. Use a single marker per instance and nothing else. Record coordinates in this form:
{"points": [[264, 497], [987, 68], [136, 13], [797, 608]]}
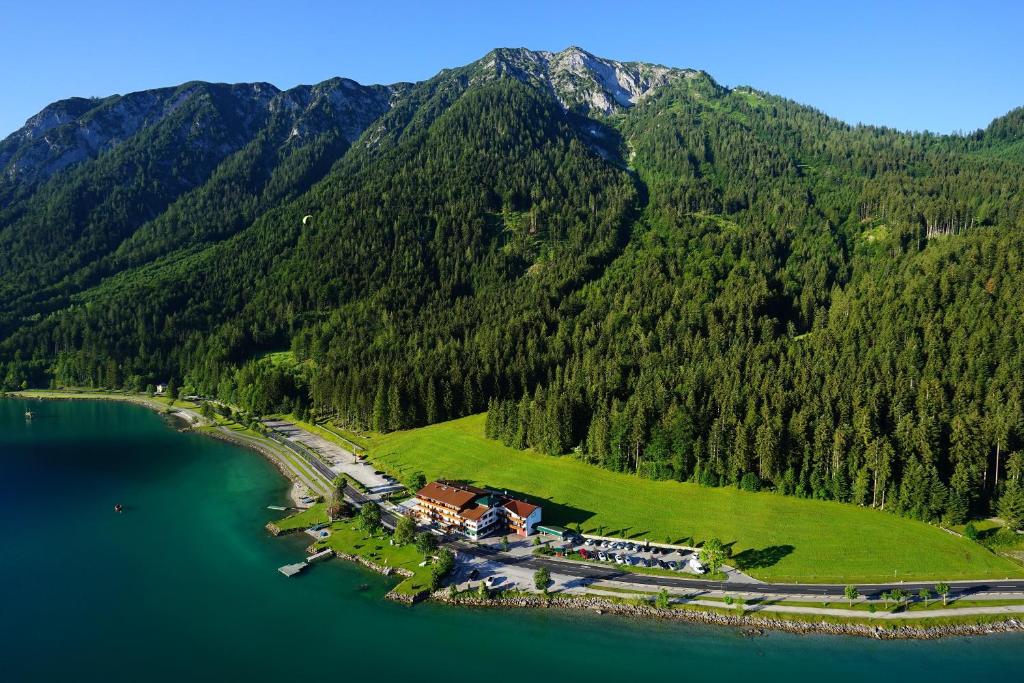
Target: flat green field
{"points": [[774, 537]]}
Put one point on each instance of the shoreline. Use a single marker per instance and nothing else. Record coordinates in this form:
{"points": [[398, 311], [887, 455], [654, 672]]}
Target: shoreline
{"points": [[297, 489], [193, 422], [750, 624], [753, 624], [187, 415]]}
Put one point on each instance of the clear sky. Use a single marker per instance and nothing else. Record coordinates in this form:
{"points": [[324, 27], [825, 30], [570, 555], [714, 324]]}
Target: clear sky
{"points": [[936, 65]]}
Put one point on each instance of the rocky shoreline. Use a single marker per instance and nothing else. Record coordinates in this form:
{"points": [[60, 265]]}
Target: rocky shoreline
{"points": [[386, 571], [752, 625]]}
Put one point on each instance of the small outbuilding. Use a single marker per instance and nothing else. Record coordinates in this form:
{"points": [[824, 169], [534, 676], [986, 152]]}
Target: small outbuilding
{"points": [[552, 530]]}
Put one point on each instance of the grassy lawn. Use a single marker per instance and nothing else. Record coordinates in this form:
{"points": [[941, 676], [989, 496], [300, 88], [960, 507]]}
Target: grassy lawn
{"points": [[304, 519], [347, 538], [773, 537]]}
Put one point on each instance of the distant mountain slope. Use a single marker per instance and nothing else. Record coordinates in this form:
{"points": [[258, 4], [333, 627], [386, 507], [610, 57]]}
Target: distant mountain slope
{"points": [[154, 172], [622, 260]]}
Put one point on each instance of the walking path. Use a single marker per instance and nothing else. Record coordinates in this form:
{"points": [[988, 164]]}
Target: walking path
{"points": [[882, 613]]}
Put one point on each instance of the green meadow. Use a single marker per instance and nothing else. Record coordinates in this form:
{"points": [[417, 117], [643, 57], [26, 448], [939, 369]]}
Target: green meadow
{"points": [[772, 537]]}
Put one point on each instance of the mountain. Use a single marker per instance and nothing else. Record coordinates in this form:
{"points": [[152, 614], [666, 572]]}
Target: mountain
{"points": [[582, 82], [144, 174], [622, 260]]}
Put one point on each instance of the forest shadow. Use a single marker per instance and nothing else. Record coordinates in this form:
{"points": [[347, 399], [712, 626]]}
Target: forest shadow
{"points": [[553, 512], [760, 558]]}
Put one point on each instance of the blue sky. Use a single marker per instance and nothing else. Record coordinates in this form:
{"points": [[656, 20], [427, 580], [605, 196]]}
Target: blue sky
{"points": [[940, 66]]}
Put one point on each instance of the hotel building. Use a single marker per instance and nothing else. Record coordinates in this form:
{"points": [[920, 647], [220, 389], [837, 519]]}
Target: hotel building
{"points": [[473, 512]]}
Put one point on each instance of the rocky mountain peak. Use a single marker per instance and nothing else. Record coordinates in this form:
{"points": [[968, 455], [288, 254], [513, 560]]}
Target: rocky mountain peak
{"points": [[582, 81]]}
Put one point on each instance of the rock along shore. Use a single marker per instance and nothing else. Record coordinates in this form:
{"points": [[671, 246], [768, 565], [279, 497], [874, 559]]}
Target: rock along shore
{"points": [[751, 624]]}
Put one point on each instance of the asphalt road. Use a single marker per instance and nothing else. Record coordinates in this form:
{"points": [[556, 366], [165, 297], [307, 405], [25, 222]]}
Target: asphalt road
{"points": [[600, 573]]}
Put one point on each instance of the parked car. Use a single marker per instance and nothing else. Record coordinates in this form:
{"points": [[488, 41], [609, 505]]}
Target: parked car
{"points": [[474, 574], [603, 556], [619, 559]]}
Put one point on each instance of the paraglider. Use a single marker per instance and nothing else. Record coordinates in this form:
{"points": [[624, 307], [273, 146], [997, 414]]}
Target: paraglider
{"points": [[306, 220]]}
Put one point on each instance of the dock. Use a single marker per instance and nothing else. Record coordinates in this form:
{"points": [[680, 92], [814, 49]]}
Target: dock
{"points": [[292, 569], [322, 555]]}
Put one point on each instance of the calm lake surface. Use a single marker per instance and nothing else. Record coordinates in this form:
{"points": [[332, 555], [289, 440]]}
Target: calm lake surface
{"points": [[183, 585]]}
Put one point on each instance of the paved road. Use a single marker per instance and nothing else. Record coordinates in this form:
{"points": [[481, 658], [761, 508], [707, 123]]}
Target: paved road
{"points": [[601, 573]]}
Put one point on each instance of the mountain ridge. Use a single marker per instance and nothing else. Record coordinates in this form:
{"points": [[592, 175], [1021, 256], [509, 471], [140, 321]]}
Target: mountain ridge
{"points": [[632, 263]]}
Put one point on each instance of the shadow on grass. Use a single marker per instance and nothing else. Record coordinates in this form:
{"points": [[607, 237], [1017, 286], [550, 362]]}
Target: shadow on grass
{"points": [[552, 512], [760, 558]]}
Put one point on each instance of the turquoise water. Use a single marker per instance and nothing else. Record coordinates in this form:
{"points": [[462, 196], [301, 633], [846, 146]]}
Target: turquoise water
{"points": [[183, 585]]}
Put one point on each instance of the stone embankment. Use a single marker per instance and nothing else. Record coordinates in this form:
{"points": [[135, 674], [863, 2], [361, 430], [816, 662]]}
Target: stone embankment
{"points": [[386, 571], [751, 624]]}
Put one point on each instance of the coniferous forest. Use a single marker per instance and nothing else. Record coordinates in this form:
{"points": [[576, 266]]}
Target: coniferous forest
{"points": [[707, 284]]}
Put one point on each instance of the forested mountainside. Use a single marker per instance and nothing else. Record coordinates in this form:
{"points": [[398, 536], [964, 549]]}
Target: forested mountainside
{"points": [[622, 260]]}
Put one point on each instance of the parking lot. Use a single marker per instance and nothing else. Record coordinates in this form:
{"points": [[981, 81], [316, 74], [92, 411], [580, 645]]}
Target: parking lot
{"points": [[338, 459], [634, 554]]}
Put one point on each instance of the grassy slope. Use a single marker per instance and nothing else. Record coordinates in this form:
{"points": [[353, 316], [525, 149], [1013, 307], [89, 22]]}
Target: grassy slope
{"points": [[830, 542]]}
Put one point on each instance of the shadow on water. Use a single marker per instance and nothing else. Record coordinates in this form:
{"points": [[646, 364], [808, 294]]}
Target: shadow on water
{"points": [[753, 558]]}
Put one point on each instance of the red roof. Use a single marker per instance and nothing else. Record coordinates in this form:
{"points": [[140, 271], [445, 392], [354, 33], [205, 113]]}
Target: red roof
{"points": [[473, 513], [519, 508], [446, 494]]}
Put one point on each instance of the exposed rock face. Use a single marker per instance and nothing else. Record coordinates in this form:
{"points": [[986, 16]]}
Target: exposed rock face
{"points": [[77, 129], [337, 102], [581, 81], [74, 130]]}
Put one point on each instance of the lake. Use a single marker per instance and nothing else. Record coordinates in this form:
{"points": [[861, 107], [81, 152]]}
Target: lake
{"points": [[184, 585]]}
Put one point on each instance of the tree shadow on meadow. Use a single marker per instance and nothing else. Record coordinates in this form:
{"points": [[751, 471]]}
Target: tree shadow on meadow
{"points": [[753, 558], [552, 512]]}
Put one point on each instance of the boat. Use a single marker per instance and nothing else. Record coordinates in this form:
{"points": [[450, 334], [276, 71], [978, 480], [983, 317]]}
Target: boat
{"points": [[29, 414], [276, 507], [118, 507]]}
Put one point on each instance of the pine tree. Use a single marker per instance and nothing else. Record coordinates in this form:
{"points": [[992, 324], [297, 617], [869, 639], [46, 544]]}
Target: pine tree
{"points": [[380, 419]]}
